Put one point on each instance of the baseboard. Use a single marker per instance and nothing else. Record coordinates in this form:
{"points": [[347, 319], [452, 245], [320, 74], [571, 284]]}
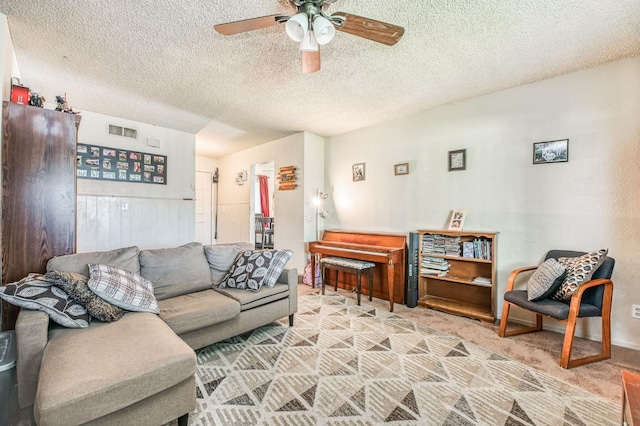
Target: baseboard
{"points": [[553, 325]]}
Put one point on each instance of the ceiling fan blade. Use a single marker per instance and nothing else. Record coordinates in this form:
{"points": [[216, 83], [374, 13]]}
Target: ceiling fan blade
{"points": [[371, 29], [236, 27], [310, 61]]}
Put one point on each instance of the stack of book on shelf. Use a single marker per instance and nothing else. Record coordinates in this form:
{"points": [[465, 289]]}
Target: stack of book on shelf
{"points": [[482, 280], [452, 246], [441, 244], [434, 266]]}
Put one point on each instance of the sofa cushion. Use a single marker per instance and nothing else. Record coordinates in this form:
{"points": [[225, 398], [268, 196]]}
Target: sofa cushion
{"points": [[253, 269], [220, 258], [35, 292], [107, 367], [249, 299], [197, 310], [176, 271], [77, 287], [122, 258], [545, 280], [580, 269], [122, 288]]}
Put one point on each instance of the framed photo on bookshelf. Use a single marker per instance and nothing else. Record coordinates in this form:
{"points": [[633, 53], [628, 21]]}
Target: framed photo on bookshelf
{"points": [[457, 220], [358, 172], [401, 169], [551, 152], [458, 160]]}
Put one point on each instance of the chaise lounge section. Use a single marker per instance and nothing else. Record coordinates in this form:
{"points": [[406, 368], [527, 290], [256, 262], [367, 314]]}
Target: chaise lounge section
{"points": [[141, 368]]}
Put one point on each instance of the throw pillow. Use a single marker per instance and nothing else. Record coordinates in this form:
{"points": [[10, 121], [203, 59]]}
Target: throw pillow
{"points": [[122, 288], [76, 286], [580, 269], [35, 292], [545, 280], [220, 258], [253, 269]]}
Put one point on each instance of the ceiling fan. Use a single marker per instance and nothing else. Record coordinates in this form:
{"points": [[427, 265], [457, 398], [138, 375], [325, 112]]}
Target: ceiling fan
{"points": [[311, 26]]}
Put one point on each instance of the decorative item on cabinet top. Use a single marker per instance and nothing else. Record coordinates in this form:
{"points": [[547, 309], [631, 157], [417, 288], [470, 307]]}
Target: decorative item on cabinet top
{"points": [[287, 178], [103, 163]]}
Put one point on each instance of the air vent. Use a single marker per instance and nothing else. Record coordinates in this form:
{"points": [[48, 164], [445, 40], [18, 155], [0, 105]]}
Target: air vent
{"points": [[123, 131]]}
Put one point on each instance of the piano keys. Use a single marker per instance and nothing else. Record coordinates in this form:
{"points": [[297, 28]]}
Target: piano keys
{"points": [[387, 251]]}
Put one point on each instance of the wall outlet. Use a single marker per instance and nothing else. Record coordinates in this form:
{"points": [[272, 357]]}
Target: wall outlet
{"points": [[635, 311]]}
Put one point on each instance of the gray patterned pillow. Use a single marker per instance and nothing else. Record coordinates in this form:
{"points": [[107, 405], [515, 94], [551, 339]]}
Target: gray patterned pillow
{"points": [[580, 269], [254, 268], [35, 292], [76, 286], [545, 280], [122, 288]]}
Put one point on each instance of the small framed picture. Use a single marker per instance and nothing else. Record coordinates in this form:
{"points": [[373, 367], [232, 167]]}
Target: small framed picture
{"points": [[551, 152], [401, 169], [458, 160], [457, 220], [358, 172]]}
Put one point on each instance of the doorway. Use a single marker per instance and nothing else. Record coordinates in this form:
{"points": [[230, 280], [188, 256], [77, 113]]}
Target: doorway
{"points": [[262, 204], [204, 232]]}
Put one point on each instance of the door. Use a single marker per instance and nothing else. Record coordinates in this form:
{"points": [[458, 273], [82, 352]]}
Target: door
{"points": [[204, 218]]}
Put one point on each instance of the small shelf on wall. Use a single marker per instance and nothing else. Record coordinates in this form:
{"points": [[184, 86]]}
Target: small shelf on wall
{"points": [[287, 178]]}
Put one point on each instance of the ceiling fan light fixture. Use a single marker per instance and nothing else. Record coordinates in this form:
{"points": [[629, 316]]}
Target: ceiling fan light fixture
{"points": [[323, 30], [297, 26], [309, 43]]}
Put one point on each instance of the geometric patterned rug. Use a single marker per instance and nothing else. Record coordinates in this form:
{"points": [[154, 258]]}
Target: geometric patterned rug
{"points": [[343, 364]]}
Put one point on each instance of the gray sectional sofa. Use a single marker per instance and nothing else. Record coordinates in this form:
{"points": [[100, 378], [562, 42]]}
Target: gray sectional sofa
{"points": [[140, 369]]}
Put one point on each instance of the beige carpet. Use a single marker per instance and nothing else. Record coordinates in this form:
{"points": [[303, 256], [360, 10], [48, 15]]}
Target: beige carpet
{"points": [[343, 364], [540, 351]]}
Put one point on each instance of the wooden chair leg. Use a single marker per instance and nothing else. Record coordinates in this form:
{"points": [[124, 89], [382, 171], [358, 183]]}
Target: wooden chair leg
{"points": [[502, 332], [568, 343], [505, 318]]}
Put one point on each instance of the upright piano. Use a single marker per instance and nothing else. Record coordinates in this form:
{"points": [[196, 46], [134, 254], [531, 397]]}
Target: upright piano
{"points": [[387, 251]]}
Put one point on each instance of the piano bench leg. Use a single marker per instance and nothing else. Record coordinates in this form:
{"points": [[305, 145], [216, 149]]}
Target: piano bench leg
{"points": [[370, 284], [358, 286], [324, 278]]}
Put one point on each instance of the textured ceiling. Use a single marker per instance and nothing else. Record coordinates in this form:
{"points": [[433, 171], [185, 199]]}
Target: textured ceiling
{"points": [[161, 62]]}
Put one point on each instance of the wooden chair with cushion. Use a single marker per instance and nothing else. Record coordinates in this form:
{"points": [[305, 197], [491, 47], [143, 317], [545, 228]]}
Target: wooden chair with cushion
{"points": [[590, 276]]}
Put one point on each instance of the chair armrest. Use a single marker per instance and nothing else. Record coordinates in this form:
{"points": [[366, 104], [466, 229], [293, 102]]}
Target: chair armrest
{"points": [[514, 274], [576, 298]]}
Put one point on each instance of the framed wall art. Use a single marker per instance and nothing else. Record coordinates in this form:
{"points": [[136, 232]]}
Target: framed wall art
{"points": [[457, 220], [551, 152], [401, 169], [358, 172], [120, 165], [458, 160]]}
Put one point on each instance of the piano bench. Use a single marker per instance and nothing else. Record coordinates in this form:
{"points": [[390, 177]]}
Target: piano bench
{"points": [[352, 266]]}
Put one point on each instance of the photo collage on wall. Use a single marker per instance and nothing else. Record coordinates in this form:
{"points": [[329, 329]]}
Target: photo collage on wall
{"points": [[103, 163]]}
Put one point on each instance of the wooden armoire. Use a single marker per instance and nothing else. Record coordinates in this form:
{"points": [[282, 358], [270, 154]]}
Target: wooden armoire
{"points": [[38, 192]]}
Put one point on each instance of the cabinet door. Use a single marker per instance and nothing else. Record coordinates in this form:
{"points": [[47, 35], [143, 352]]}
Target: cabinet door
{"points": [[38, 191]]}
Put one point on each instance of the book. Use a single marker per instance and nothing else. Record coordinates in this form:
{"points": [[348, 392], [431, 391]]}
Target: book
{"points": [[482, 280]]}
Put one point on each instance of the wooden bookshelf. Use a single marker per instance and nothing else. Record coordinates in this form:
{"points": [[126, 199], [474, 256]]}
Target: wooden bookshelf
{"points": [[454, 290]]}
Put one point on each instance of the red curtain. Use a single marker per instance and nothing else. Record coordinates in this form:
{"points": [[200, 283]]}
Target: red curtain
{"points": [[264, 194]]}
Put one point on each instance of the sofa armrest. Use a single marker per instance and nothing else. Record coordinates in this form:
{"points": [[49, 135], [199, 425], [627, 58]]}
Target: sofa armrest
{"points": [[31, 338], [290, 276]]}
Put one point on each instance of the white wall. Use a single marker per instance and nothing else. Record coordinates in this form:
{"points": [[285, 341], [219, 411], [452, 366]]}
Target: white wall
{"points": [[8, 61], [116, 214], [591, 202], [290, 206]]}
